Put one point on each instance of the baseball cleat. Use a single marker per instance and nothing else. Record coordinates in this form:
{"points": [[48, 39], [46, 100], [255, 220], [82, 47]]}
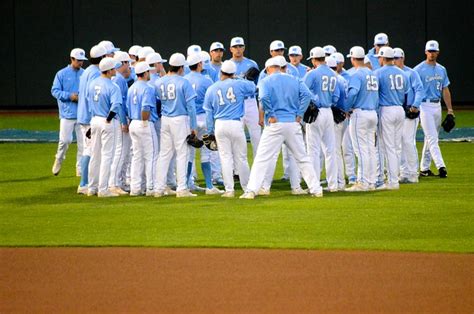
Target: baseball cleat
{"points": [[392, 186], [409, 179], [57, 166], [107, 194], [82, 190], [169, 191], [263, 192], [358, 187], [229, 194], [317, 194], [299, 191], [185, 193], [159, 194], [91, 193], [442, 172], [381, 187], [218, 181], [196, 188], [136, 193], [150, 193], [213, 191], [426, 173], [248, 196], [117, 190]]}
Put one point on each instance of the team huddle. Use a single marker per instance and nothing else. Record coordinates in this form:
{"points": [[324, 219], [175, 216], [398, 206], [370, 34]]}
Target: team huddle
{"points": [[138, 126]]}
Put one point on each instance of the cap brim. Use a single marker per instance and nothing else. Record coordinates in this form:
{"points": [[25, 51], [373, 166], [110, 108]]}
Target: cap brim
{"points": [[309, 58], [81, 59]]}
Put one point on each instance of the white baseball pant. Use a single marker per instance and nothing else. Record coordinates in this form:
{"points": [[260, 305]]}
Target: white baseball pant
{"points": [[320, 136], [274, 135], [250, 120], [430, 119], [363, 126], [66, 128], [409, 156], [293, 170], [232, 148], [391, 122], [174, 131], [142, 155], [102, 154], [86, 142], [171, 176], [339, 130], [348, 151], [122, 153]]}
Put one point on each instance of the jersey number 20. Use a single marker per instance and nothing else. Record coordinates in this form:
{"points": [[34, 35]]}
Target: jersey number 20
{"points": [[229, 95]]}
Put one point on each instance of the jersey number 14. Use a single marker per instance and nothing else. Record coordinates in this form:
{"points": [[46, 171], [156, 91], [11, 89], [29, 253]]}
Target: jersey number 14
{"points": [[229, 95]]}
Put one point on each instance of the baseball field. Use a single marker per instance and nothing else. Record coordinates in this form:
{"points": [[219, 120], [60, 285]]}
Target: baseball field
{"points": [[321, 248]]}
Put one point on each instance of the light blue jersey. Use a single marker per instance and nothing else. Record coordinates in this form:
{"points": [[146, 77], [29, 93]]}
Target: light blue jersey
{"points": [[302, 69], [343, 87], [415, 91], [104, 97], [322, 82], [133, 75], [225, 100], [393, 85], [65, 83], [290, 69], [209, 72], [243, 66], [217, 68], [122, 84], [141, 98], [346, 74], [363, 90], [374, 61], [177, 97], [200, 84], [154, 114], [283, 97], [434, 78], [83, 111]]}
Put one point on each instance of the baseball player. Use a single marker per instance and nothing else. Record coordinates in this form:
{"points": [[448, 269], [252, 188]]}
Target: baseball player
{"points": [[393, 85], [200, 84], [207, 70], [133, 53], [66, 90], [295, 54], [83, 112], [140, 99], [217, 52], [109, 47], [122, 137], [284, 99], [251, 115], [329, 50], [178, 120], [409, 155], [105, 102], [363, 100], [436, 86], [380, 40], [277, 48], [320, 135], [224, 106]]}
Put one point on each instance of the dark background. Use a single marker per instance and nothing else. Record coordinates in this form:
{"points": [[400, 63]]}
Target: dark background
{"points": [[37, 36]]}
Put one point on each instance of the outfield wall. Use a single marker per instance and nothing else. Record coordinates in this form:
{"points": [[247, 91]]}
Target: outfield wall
{"points": [[38, 35]]}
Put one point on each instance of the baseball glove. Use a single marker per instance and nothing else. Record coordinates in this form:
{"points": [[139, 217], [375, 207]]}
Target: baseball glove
{"points": [[89, 133], [252, 74], [193, 140], [210, 141], [448, 122], [411, 115], [311, 113], [338, 114]]}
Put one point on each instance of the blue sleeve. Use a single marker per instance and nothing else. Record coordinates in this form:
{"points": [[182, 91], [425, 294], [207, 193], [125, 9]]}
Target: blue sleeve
{"points": [[446, 79], [249, 88], [116, 103], [190, 97], [342, 96], [417, 86], [207, 105], [264, 96], [57, 88], [354, 87], [305, 97], [148, 100], [336, 93]]}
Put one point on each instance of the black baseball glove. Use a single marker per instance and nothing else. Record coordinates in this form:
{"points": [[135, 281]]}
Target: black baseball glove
{"points": [[410, 114], [311, 113], [338, 114], [193, 140], [252, 74], [210, 141], [448, 122], [89, 133]]}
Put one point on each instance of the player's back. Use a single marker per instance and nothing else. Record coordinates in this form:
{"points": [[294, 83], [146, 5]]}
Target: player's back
{"points": [[322, 82], [366, 83], [282, 90], [140, 96], [89, 74], [102, 94], [175, 91], [392, 85], [200, 84]]}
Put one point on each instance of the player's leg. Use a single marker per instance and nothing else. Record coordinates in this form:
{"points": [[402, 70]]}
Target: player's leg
{"points": [[150, 157], [313, 143], [251, 121], [359, 128], [224, 144], [80, 147], [409, 155], [66, 127], [166, 154], [391, 120], [239, 153], [329, 148], [85, 159], [380, 153], [371, 129], [94, 164], [286, 162], [179, 132], [114, 179], [348, 153], [338, 134], [107, 156], [136, 168], [430, 122]]}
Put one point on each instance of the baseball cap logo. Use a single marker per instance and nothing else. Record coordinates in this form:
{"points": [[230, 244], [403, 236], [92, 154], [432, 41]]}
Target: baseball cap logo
{"points": [[196, 49], [380, 38], [238, 41], [381, 53], [279, 45]]}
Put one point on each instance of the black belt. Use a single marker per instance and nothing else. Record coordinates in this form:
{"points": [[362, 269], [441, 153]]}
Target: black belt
{"points": [[431, 100]]}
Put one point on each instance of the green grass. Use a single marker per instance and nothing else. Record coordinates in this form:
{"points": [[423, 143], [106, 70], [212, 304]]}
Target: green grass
{"points": [[38, 209]]}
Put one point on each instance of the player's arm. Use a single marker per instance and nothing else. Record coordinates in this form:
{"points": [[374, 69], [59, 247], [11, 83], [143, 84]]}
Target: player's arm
{"points": [[58, 92], [190, 96], [417, 87], [354, 87], [447, 94], [305, 97], [207, 106], [336, 93], [264, 96]]}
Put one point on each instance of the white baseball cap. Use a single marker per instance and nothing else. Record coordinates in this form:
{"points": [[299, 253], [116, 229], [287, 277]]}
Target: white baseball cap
{"points": [[385, 52], [329, 49], [205, 56], [78, 54], [153, 58], [216, 45], [272, 62], [108, 64], [122, 56], [432, 45], [194, 49], [295, 50], [338, 56], [331, 62], [142, 67], [109, 46], [237, 41], [281, 61], [145, 51], [381, 39], [316, 52], [276, 45], [177, 60], [356, 52], [228, 67], [398, 53], [366, 60], [97, 51], [134, 50], [193, 59]]}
